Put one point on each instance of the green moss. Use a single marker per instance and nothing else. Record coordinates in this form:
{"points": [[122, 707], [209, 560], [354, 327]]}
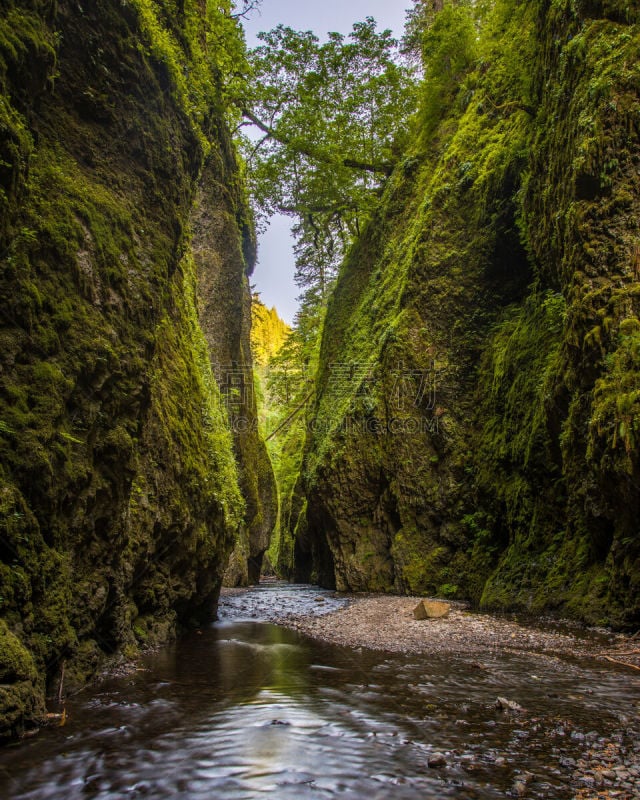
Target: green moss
{"points": [[17, 663], [615, 417], [419, 565], [21, 695], [119, 491], [556, 465], [518, 378], [189, 407], [26, 44], [503, 258]]}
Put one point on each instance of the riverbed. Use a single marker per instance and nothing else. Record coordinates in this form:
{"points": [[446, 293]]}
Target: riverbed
{"points": [[246, 708]]}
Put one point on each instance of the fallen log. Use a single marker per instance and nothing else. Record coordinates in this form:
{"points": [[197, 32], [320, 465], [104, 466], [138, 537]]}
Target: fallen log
{"points": [[622, 663]]}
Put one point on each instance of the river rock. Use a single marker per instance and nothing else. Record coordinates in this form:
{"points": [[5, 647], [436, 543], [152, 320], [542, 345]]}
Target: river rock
{"points": [[502, 704], [431, 609], [520, 788], [437, 760]]}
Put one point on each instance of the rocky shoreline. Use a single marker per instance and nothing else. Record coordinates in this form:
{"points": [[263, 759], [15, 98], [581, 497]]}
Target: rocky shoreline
{"points": [[385, 622], [608, 767]]}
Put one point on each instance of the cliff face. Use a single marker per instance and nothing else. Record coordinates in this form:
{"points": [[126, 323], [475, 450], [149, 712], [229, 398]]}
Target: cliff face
{"points": [[120, 498], [225, 317], [476, 425]]}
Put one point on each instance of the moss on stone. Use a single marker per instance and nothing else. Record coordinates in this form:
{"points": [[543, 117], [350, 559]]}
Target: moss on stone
{"points": [[119, 496], [20, 692], [503, 260]]}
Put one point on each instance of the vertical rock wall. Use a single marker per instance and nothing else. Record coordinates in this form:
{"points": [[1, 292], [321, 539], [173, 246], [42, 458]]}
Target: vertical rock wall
{"points": [[120, 495], [476, 425], [225, 315]]}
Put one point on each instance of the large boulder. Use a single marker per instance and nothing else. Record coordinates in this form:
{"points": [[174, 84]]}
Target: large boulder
{"points": [[431, 609]]}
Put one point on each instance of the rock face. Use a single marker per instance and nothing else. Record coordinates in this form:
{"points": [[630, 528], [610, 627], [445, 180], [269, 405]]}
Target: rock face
{"points": [[225, 316], [476, 425], [120, 496]]}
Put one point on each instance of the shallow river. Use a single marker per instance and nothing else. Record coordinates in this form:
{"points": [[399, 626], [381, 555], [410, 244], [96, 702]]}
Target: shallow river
{"points": [[246, 709]]}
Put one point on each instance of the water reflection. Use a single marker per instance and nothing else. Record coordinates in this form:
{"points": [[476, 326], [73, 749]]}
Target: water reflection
{"points": [[245, 709]]}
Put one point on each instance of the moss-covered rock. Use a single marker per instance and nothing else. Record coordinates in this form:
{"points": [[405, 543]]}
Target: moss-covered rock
{"points": [[224, 249], [573, 463], [120, 496], [20, 689], [475, 427]]}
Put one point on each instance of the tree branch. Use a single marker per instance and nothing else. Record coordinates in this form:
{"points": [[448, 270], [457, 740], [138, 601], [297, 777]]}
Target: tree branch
{"points": [[352, 163], [249, 6], [517, 105], [257, 147], [320, 209], [295, 411]]}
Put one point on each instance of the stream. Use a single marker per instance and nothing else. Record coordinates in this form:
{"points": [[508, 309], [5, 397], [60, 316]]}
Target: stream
{"points": [[246, 708]]}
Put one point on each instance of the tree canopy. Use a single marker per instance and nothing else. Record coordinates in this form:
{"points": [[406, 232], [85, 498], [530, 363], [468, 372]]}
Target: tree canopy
{"points": [[268, 331], [330, 117]]}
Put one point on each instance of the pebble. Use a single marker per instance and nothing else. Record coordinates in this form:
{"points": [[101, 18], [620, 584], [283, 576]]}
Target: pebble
{"points": [[610, 765], [437, 760]]}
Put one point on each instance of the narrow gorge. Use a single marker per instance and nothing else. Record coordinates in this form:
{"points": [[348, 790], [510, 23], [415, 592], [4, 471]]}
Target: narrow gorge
{"points": [[467, 423]]}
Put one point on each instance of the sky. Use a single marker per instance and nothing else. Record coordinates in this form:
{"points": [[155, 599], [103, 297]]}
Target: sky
{"points": [[273, 276]]}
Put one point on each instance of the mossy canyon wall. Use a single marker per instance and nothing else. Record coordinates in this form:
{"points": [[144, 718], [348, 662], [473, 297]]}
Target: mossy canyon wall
{"points": [[125, 248], [476, 427]]}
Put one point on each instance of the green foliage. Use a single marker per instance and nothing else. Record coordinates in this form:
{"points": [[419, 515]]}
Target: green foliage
{"points": [[448, 41], [614, 432], [268, 332], [288, 380], [202, 47], [347, 98], [19, 678], [518, 380], [332, 115], [270, 338], [25, 43]]}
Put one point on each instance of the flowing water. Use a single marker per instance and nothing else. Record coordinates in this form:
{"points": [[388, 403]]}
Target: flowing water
{"points": [[246, 709]]}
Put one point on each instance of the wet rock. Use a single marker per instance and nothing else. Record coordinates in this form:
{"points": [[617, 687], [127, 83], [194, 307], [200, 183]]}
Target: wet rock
{"points": [[437, 760], [502, 704], [622, 774], [520, 784]]}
